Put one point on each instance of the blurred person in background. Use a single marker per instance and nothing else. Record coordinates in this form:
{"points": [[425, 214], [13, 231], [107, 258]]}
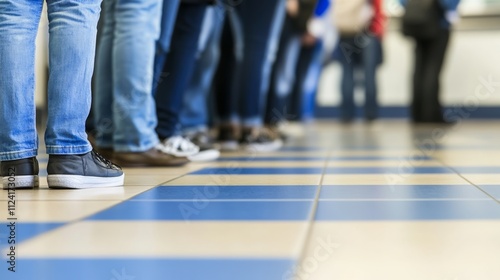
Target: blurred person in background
{"points": [[178, 68], [429, 23], [72, 162], [310, 64], [298, 65], [125, 114], [361, 26], [244, 74], [298, 15]]}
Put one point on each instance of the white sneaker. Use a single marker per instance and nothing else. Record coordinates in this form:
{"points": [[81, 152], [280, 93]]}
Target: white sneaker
{"points": [[178, 146]]}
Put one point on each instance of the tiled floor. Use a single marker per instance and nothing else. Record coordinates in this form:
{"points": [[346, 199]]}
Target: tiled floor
{"points": [[384, 201]]}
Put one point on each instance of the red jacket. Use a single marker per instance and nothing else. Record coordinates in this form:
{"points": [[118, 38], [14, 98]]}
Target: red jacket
{"points": [[377, 26]]}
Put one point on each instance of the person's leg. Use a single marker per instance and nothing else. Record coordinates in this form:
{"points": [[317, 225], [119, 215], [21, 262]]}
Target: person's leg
{"points": [[194, 113], [103, 97], [418, 76], [228, 72], [227, 79], [134, 115], [180, 64], [72, 163], [431, 77], [168, 16], [18, 135], [283, 75], [347, 106], [303, 102], [262, 25], [18, 29], [371, 58], [71, 64]]}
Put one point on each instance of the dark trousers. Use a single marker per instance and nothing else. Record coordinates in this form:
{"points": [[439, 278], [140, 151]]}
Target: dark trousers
{"points": [[179, 67], [242, 89], [429, 59]]}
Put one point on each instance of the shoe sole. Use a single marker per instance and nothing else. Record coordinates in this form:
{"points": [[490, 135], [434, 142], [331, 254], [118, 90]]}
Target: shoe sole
{"points": [[208, 155], [130, 164], [83, 182], [264, 148], [229, 146], [21, 182]]}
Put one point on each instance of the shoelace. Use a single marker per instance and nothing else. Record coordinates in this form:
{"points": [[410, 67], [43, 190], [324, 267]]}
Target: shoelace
{"points": [[105, 161]]}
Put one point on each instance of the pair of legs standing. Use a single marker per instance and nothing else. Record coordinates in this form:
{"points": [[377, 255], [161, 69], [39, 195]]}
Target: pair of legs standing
{"points": [[363, 52], [429, 59], [72, 27]]}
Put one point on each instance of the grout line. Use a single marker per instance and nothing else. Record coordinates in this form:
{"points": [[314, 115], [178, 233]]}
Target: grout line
{"points": [[310, 228], [467, 180]]}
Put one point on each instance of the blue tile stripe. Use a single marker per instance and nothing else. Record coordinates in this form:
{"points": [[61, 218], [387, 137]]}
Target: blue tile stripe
{"points": [[24, 231], [149, 269], [364, 192], [228, 192], [319, 170], [204, 210], [333, 158], [407, 210]]}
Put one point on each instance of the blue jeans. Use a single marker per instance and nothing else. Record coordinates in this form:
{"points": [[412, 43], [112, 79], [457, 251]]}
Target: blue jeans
{"points": [[283, 75], [195, 107], [249, 78], [168, 17], [310, 65], [179, 65], [367, 56], [72, 27], [125, 113]]}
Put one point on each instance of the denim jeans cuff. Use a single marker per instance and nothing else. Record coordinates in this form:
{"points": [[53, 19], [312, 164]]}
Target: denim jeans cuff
{"points": [[136, 148], [69, 150], [252, 122], [5, 156]]}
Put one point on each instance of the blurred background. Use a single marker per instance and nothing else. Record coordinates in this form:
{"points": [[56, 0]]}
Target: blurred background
{"points": [[473, 53]]}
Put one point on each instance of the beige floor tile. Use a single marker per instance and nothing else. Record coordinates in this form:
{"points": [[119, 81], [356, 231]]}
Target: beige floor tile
{"points": [[384, 163], [55, 211], [447, 250], [44, 193], [483, 179], [393, 179], [170, 239]]}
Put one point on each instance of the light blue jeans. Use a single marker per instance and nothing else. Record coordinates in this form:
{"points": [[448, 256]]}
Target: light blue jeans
{"points": [[125, 113], [72, 27]]}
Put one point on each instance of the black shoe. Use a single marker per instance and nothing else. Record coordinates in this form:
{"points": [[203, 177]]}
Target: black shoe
{"points": [[228, 137], [90, 170], [20, 174]]}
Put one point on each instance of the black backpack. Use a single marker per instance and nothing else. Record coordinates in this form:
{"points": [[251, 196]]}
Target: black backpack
{"points": [[422, 19]]}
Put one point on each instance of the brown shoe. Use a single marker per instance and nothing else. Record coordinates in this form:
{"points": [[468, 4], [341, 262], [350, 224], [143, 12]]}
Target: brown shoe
{"points": [[151, 157]]}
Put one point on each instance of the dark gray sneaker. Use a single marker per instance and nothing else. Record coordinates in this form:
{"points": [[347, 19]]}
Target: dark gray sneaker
{"points": [[89, 170], [19, 174]]}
